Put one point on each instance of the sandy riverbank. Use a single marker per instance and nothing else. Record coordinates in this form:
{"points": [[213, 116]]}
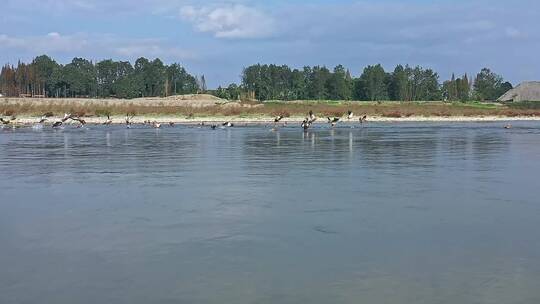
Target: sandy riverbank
{"points": [[269, 120], [193, 109]]}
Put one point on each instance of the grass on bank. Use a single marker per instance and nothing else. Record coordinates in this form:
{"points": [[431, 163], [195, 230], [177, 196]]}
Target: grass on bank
{"points": [[274, 108]]}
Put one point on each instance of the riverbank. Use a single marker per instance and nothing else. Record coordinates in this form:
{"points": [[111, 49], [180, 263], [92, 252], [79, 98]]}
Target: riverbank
{"points": [[269, 120], [206, 108]]}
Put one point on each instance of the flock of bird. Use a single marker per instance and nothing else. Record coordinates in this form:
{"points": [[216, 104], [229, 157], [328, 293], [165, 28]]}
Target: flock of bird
{"points": [[80, 122], [311, 118]]}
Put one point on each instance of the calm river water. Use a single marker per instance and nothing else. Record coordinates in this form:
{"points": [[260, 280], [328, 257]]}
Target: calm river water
{"points": [[388, 213]]}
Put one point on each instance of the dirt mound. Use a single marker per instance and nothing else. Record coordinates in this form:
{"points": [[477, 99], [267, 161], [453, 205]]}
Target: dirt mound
{"points": [[189, 100], [196, 97]]}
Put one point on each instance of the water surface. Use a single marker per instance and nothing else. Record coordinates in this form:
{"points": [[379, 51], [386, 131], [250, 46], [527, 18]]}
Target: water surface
{"points": [[389, 213]]}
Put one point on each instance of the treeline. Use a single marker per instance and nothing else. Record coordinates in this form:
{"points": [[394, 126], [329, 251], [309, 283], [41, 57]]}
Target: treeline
{"points": [[404, 83], [44, 77]]}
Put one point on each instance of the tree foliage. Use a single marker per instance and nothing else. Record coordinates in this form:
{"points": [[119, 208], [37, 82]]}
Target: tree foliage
{"points": [[457, 89], [489, 86], [148, 78], [107, 78]]}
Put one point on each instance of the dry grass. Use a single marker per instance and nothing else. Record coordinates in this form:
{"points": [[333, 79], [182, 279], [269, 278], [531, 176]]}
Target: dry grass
{"points": [[390, 109]]}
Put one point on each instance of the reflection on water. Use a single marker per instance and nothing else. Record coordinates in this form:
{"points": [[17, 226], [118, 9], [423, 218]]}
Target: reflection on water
{"points": [[389, 213]]}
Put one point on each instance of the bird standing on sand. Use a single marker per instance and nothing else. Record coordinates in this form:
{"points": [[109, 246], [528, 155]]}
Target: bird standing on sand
{"points": [[350, 115]]}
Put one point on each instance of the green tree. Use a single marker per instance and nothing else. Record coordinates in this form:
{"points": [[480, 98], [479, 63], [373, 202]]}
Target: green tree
{"points": [[339, 84], [399, 82], [79, 78], [179, 81], [488, 85], [44, 68], [317, 79], [106, 77], [373, 84]]}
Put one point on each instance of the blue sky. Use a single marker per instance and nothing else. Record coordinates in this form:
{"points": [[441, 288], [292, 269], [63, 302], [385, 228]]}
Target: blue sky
{"points": [[219, 38]]}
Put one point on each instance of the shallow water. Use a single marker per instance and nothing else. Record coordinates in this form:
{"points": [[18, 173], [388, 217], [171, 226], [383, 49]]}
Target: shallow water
{"points": [[389, 213]]}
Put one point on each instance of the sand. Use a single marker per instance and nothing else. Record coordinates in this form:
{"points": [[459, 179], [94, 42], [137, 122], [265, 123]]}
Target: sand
{"points": [[270, 120], [205, 101]]}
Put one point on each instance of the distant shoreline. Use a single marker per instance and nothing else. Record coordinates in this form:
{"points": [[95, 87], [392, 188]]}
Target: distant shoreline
{"points": [[193, 109], [119, 120]]}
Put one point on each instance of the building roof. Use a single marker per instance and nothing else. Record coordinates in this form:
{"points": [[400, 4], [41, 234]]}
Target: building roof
{"points": [[526, 91]]}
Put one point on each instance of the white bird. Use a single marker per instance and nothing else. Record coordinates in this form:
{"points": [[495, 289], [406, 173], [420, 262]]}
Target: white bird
{"points": [[350, 115], [156, 124], [228, 124]]}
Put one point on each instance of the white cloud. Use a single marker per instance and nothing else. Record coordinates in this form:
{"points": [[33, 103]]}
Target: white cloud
{"points": [[233, 21]]}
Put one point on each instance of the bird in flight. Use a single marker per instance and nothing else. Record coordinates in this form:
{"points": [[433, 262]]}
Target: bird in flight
{"points": [[333, 121], [363, 119]]}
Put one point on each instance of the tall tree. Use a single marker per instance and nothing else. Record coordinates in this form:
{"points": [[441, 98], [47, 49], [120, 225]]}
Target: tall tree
{"points": [[373, 84], [399, 81], [179, 81], [488, 85], [339, 84], [80, 78]]}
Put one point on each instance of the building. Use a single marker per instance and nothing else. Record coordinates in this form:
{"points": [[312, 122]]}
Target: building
{"points": [[526, 91]]}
